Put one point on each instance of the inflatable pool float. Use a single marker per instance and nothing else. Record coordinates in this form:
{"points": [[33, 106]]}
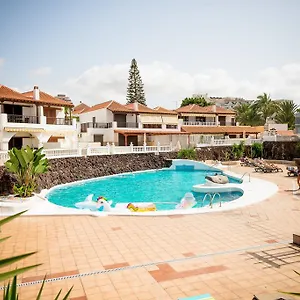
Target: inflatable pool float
{"points": [[188, 201], [122, 207], [88, 203], [217, 179], [134, 208]]}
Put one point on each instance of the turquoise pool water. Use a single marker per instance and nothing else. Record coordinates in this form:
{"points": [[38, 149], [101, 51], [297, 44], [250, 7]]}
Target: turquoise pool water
{"points": [[163, 187]]}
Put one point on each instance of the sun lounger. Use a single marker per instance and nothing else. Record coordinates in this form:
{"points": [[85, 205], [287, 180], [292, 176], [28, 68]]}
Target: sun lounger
{"points": [[292, 171]]}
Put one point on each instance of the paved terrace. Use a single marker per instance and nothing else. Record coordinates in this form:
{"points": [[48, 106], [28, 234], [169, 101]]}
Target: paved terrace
{"points": [[231, 255]]}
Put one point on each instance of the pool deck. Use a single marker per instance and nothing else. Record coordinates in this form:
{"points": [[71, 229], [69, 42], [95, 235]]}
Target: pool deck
{"points": [[230, 254]]}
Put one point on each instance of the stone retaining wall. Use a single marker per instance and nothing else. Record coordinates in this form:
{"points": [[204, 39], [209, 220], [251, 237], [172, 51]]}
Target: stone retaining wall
{"points": [[64, 170], [281, 150]]}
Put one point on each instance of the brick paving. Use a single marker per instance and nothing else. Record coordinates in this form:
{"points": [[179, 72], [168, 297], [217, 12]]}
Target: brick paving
{"points": [[231, 254]]}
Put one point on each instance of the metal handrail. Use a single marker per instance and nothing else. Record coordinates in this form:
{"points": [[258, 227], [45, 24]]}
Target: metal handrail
{"points": [[245, 174], [207, 194], [213, 198], [22, 119]]}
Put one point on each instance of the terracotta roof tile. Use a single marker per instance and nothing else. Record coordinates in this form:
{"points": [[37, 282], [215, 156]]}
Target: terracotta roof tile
{"points": [[163, 110], [48, 99], [194, 108], [141, 108], [112, 106], [286, 132], [9, 94], [80, 108], [222, 129]]}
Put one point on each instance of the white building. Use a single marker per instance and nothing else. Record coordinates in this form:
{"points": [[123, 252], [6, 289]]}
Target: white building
{"points": [[36, 119], [112, 122]]}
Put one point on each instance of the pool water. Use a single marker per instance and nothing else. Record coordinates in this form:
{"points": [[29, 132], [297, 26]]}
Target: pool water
{"points": [[163, 187]]}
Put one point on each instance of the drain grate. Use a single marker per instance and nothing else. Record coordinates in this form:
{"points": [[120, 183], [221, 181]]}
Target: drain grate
{"points": [[98, 272]]}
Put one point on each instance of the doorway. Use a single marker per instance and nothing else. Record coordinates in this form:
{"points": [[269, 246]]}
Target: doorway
{"points": [[222, 121], [16, 142]]}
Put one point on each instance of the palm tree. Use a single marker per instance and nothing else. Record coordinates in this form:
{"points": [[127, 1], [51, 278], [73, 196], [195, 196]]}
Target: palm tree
{"points": [[286, 113], [246, 114], [265, 106]]}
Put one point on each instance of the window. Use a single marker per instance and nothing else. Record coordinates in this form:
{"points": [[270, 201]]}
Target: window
{"points": [[94, 120], [185, 119], [169, 126], [151, 125], [98, 138]]}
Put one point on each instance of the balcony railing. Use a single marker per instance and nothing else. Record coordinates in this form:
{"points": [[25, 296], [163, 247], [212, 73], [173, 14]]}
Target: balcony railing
{"points": [[227, 123], [58, 121], [127, 124], [200, 123], [209, 123], [85, 126], [22, 119]]}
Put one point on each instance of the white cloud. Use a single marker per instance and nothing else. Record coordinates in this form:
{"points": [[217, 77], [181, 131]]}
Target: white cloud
{"points": [[43, 71], [164, 85], [1, 61]]}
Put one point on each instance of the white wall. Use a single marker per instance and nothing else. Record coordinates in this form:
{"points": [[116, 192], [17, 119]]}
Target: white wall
{"points": [[131, 118], [60, 113], [228, 119], [101, 115], [280, 127]]}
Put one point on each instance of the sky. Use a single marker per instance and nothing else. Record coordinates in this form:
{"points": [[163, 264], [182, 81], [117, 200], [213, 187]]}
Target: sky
{"points": [[223, 48]]}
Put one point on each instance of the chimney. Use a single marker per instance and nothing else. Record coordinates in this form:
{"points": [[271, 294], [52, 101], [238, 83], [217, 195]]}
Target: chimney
{"points": [[135, 106], [214, 108], [36, 93]]}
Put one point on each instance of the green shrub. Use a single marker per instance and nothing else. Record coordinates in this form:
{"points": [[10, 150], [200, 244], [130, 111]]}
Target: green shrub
{"points": [[238, 150], [26, 164], [189, 153], [256, 150]]}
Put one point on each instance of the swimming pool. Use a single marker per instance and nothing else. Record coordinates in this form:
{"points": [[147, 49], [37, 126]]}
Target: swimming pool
{"points": [[164, 187]]}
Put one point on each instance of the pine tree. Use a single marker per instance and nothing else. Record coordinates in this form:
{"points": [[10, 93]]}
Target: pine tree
{"points": [[135, 89]]}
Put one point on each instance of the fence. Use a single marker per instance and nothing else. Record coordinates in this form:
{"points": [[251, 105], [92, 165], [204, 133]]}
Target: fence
{"points": [[229, 142], [109, 149]]}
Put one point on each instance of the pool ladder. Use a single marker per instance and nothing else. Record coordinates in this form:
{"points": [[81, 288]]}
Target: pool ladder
{"points": [[246, 174], [212, 198]]}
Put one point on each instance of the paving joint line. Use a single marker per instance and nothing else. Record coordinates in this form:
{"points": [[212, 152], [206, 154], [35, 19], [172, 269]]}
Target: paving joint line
{"points": [[142, 265]]}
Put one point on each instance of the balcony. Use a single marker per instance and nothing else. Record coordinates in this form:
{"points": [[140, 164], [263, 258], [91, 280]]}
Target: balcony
{"points": [[85, 126], [227, 124], [200, 123], [209, 124], [22, 119], [127, 125], [58, 121]]}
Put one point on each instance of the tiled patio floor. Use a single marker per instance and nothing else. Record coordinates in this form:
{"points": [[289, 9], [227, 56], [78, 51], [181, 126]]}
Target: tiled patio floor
{"points": [[231, 255]]}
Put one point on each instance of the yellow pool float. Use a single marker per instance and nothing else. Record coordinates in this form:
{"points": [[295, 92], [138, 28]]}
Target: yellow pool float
{"points": [[134, 208]]}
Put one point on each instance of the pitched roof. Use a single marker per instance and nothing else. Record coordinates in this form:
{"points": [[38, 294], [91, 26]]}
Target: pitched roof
{"points": [[9, 94], [80, 108], [141, 108], [112, 106], [48, 99], [285, 132], [194, 108], [223, 129], [163, 110]]}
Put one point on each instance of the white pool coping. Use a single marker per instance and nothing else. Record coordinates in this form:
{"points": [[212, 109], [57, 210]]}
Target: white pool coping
{"points": [[254, 191]]}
